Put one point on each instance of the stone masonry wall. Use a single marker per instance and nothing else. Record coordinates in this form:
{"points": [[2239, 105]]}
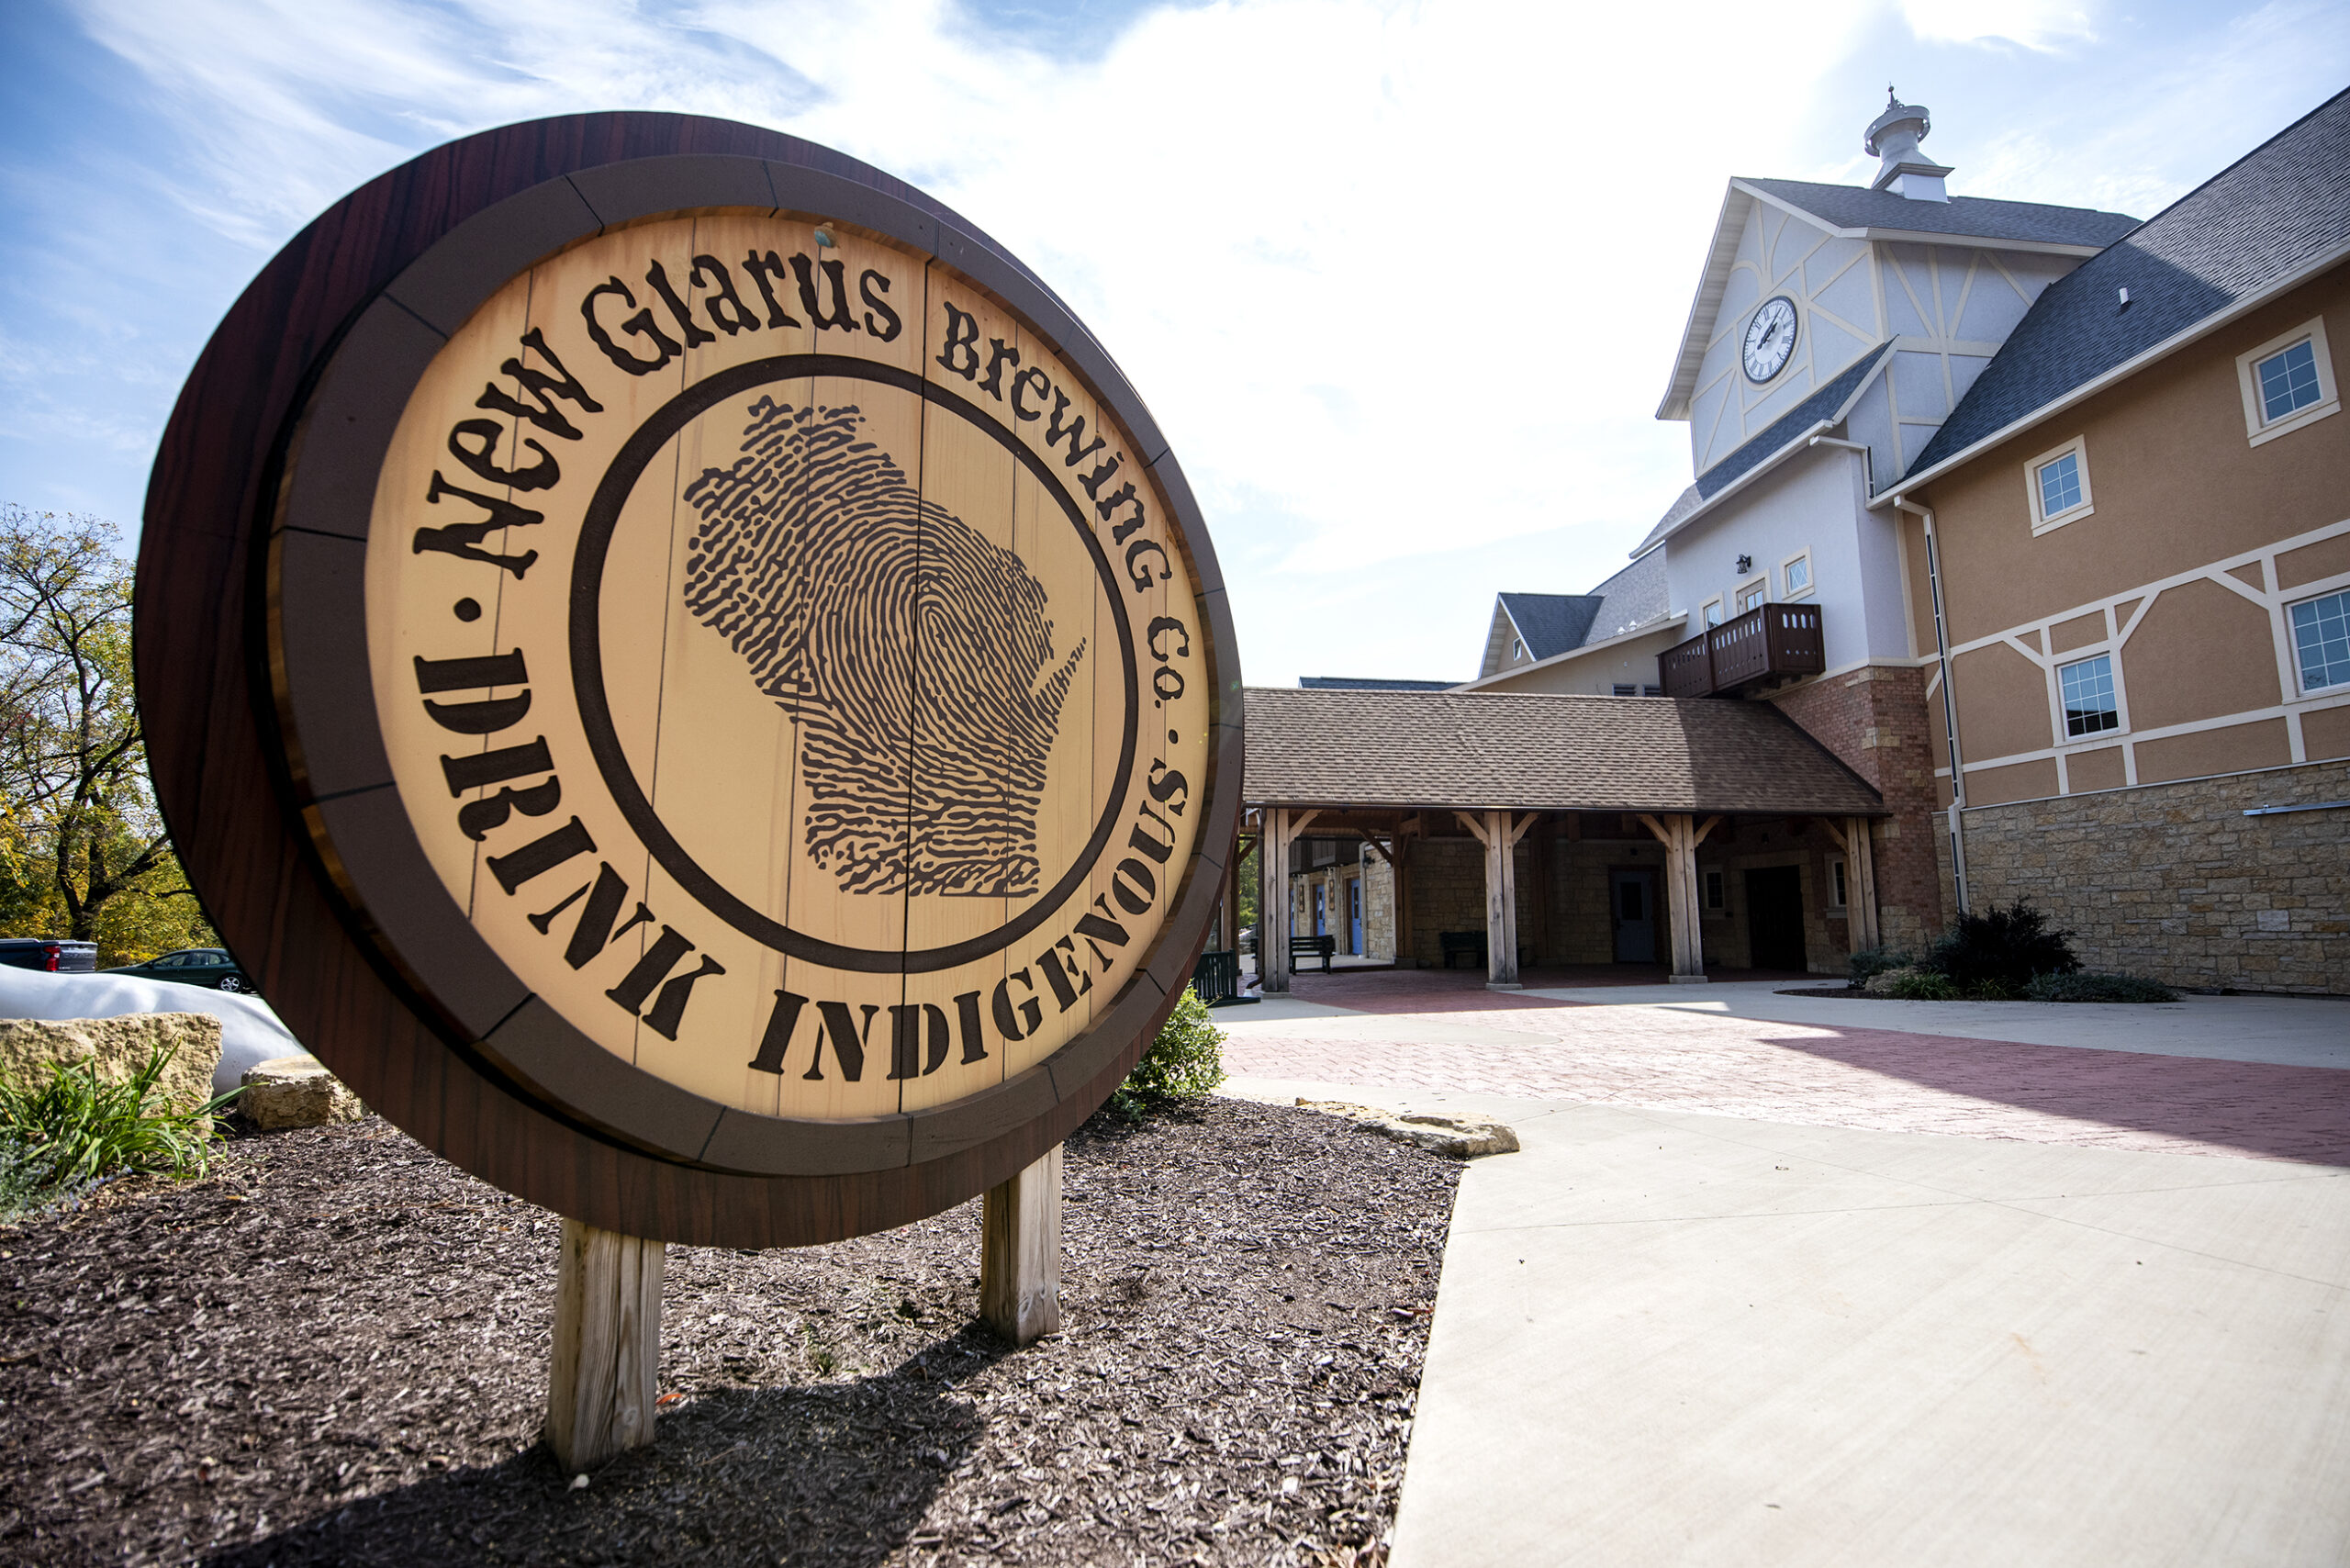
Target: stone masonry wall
{"points": [[1874, 718], [2173, 881]]}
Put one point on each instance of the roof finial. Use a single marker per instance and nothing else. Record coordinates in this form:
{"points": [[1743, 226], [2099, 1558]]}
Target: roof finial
{"points": [[1894, 136]]}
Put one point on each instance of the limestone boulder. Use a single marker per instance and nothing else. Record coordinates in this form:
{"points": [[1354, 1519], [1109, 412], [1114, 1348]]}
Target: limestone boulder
{"points": [[31, 1051], [295, 1092], [1459, 1134]]}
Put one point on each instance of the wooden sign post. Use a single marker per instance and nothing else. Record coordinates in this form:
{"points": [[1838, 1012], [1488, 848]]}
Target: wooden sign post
{"points": [[695, 684]]}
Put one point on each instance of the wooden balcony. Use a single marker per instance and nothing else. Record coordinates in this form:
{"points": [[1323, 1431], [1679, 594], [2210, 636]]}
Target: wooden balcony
{"points": [[1767, 644]]}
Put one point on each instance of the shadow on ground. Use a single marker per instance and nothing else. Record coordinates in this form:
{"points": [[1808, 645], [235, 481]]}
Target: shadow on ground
{"points": [[839, 1474], [2277, 1113]]}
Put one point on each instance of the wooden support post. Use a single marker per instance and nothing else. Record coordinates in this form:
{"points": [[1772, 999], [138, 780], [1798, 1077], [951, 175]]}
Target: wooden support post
{"points": [[1020, 1252], [1501, 897], [1860, 879], [604, 1374], [1273, 901], [1681, 834], [1406, 957]]}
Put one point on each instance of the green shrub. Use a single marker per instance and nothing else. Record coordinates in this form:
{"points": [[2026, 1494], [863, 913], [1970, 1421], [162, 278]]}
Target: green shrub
{"points": [[59, 1138], [2000, 951], [1919, 985], [2087, 987], [1870, 962], [1185, 1062]]}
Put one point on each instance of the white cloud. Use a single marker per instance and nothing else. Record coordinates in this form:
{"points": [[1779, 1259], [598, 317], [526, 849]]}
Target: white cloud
{"points": [[2045, 25]]}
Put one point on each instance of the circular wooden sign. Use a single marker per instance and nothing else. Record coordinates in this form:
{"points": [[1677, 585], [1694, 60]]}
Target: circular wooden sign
{"points": [[733, 654]]}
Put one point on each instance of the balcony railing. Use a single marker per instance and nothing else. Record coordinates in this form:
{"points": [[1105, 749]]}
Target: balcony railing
{"points": [[1769, 644]]}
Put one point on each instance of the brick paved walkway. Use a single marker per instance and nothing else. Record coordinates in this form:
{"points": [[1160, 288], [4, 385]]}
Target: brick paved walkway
{"points": [[1805, 1073]]}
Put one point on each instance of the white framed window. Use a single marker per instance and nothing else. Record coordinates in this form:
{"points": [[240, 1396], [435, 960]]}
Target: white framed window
{"points": [[2058, 484], [1713, 612], [1836, 895], [1716, 895], [2322, 640], [2287, 382], [1794, 574], [2086, 688], [1517, 650], [1750, 595]]}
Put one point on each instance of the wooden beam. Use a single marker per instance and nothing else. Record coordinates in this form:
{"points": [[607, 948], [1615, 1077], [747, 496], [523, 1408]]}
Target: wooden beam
{"points": [[1379, 849], [1860, 878], [1524, 823], [1476, 829], [603, 1376], [1708, 827], [1020, 1252], [1272, 903], [1301, 821], [1501, 902]]}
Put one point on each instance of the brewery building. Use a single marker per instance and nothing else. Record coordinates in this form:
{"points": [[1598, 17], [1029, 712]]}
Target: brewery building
{"points": [[2015, 561]]}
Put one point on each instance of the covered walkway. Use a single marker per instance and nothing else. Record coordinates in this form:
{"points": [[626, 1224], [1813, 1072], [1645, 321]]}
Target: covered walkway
{"points": [[1536, 830]]}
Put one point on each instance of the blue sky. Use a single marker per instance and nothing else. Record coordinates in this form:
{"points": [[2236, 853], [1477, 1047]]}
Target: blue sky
{"points": [[1402, 282]]}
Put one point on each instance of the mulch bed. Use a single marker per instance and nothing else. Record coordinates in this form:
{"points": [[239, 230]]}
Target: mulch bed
{"points": [[335, 1351]]}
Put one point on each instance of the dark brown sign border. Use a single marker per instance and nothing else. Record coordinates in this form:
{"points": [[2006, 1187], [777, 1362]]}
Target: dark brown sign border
{"points": [[248, 560]]}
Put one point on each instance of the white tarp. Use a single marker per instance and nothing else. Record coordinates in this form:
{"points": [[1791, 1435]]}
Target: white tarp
{"points": [[250, 1032]]}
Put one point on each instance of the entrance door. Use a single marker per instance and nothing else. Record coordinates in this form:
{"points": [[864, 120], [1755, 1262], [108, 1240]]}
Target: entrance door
{"points": [[1631, 897], [1321, 909], [1774, 918], [1354, 916]]}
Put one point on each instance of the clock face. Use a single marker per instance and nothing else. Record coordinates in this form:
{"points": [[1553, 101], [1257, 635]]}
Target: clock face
{"points": [[1770, 339]]}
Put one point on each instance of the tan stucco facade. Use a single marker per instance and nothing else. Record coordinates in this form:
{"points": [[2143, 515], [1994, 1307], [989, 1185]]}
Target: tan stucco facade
{"points": [[2199, 530]]}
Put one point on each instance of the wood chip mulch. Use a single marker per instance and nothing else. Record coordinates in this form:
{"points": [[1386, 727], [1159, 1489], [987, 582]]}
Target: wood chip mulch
{"points": [[333, 1351]]}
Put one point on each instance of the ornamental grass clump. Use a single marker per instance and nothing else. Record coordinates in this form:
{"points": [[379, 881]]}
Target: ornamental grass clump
{"points": [[1185, 1062], [60, 1139], [2087, 987], [1995, 955]]}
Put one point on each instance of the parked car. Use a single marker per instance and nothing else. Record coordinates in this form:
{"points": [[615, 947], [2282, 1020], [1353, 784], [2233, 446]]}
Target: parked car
{"points": [[211, 967], [53, 955]]}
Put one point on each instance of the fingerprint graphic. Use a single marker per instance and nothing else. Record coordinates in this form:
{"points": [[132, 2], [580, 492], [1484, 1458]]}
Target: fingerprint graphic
{"points": [[911, 651]]}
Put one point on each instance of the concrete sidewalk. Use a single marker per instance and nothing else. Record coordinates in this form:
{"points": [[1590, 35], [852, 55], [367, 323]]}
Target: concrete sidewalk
{"points": [[1666, 1336]]}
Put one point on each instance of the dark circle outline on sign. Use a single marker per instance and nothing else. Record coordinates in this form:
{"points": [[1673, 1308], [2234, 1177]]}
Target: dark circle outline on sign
{"points": [[595, 708]]}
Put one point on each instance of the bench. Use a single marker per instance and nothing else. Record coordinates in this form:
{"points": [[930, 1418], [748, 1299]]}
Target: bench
{"points": [[1313, 946], [1470, 942]]}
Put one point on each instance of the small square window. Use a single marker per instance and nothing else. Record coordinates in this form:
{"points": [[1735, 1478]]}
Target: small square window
{"points": [[1836, 896], [2287, 382], [1796, 575], [2088, 687], [2322, 641], [2060, 485], [1713, 612]]}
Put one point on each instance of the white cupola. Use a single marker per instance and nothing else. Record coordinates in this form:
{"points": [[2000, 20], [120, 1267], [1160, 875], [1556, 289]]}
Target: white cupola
{"points": [[1893, 137]]}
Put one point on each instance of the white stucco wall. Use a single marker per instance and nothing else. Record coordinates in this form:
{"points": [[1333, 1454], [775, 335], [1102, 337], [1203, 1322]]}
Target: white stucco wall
{"points": [[1813, 501]]}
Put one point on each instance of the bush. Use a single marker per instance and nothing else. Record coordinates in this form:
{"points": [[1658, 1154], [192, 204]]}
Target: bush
{"points": [[60, 1139], [2000, 951], [1185, 1062], [1918, 985], [2086, 987], [1870, 962]]}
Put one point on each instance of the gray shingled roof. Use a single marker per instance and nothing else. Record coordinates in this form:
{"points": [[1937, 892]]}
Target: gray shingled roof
{"points": [[1551, 622], [1530, 752], [1370, 683], [2283, 207], [2027, 222], [1822, 405], [1633, 596]]}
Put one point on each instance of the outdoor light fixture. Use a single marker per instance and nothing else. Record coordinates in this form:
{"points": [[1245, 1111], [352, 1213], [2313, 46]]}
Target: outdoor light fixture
{"points": [[1746, 563], [824, 237]]}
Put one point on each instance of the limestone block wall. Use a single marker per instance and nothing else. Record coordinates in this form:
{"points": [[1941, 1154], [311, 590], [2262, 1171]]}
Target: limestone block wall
{"points": [[1875, 718], [2175, 882], [1378, 902], [1447, 894]]}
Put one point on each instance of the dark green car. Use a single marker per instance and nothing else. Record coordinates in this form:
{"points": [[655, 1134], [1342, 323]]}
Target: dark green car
{"points": [[211, 967]]}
